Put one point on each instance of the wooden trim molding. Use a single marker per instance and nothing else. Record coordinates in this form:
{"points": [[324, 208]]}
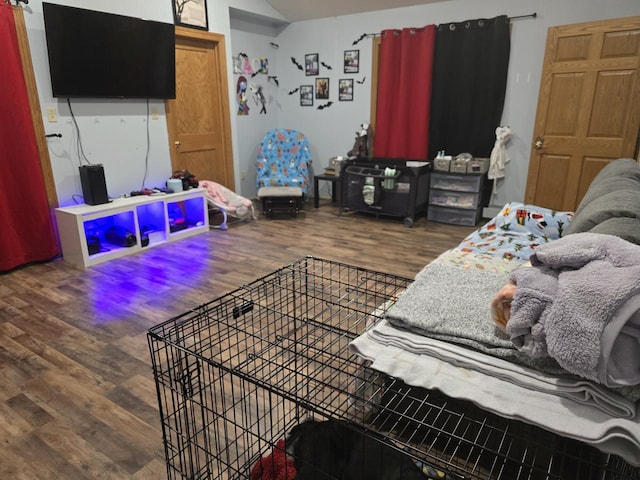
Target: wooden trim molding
{"points": [[34, 104]]}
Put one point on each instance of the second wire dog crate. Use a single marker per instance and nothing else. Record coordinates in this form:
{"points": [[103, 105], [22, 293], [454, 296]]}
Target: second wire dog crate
{"points": [[235, 375]]}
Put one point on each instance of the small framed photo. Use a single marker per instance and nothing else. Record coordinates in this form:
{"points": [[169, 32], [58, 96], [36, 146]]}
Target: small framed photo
{"points": [[322, 88], [311, 64], [345, 89], [306, 95], [351, 61], [191, 13]]}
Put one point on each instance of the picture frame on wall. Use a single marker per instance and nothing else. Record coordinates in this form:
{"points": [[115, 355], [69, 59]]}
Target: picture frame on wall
{"points": [[322, 88], [311, 64], [191, 13], [306, 95], [345, 89], [351, 61]]}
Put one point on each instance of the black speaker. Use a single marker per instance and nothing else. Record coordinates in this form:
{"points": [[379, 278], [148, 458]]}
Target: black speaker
{"points": [[94, 186]]}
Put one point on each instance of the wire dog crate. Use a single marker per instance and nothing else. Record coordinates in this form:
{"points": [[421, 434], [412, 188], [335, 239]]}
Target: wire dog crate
{"points": [[235, 376]]}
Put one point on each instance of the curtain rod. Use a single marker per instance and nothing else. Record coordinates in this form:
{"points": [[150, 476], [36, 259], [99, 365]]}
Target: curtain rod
{"points": [[364, 35], [530, 15]]}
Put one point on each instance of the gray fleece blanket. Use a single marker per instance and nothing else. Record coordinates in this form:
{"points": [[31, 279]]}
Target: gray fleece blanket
{"points": [[453, 304], [580, 305]]}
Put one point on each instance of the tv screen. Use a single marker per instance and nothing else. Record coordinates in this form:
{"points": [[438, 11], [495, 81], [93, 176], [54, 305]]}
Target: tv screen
{"points": [[101, 55]]}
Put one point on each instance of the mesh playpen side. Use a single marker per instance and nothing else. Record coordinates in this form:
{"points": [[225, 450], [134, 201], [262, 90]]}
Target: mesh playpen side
{"points": [[236, 375]]}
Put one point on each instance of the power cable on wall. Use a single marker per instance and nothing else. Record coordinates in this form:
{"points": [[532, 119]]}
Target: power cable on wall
{"points": [[79, 149], [146, 158]]}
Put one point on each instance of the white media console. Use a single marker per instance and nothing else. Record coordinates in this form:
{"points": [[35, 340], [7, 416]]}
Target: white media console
{"points": [[85, 230]]}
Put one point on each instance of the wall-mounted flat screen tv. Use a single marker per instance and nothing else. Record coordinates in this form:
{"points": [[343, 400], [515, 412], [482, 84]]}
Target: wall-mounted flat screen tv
{"points": [[102, 55]]}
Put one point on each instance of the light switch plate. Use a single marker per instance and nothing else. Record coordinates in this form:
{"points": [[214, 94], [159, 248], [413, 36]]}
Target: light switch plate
{"points": [[52, 114]]}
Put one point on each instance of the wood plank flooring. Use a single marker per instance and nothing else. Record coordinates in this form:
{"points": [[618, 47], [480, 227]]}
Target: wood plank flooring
{"points": [[77, 396]]}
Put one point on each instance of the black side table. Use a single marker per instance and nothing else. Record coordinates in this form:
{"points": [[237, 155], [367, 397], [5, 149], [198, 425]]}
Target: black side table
{"points": [[335, 184]]}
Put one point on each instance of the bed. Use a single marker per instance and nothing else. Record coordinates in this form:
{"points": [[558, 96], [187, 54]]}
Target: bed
{"points": [[562, 371]]}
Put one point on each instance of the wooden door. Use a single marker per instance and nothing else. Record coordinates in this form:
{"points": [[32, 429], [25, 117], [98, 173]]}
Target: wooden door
{"points": [[588, 108], [198, 119]]}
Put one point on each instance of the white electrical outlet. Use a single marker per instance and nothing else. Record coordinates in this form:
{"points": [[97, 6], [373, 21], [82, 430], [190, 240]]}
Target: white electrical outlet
{"points": [[52, 114]]}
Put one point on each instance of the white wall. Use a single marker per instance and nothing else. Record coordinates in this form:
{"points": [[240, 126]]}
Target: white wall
{"points": [[331, 131], [114, 131], [254, 38]]}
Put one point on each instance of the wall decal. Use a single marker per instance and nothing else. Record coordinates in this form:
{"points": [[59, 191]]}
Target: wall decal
{"points": [[261, 65], [362, 37], [258, 97], [295, 62], [326, 105], [361, 82], [326, 66], [274, 79], [291, 92], [241, 96], [245, 63]]}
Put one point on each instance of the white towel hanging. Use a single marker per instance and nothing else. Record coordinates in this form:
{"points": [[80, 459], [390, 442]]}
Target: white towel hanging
{"points": [[499, 157]]}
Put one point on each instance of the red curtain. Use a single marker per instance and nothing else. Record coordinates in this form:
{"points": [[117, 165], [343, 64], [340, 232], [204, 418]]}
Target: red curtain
{"points": [[404, 93], [26, 229]]}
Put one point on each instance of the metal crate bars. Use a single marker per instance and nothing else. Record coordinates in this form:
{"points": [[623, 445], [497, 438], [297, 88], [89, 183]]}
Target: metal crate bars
{"points": [[235, 375]]}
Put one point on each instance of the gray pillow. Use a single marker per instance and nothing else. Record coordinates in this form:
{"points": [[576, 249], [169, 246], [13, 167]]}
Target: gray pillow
{"points": [[613, 194], [623, 227]]}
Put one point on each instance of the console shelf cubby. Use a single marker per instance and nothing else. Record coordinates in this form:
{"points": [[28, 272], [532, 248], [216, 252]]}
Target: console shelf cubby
{"points": [[93, 234]]}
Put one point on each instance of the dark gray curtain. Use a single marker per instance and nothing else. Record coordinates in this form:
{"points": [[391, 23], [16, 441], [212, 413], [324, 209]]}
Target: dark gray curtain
{"points": [[469, 81]]}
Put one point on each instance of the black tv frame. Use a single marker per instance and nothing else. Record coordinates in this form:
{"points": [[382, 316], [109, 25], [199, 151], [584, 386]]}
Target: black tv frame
{"points": [[95, 54]]}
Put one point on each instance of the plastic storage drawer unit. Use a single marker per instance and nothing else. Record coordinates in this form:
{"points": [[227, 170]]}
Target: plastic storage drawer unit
{"points": [[458, 183], [458, 199], [454, 216], [449, 198]]}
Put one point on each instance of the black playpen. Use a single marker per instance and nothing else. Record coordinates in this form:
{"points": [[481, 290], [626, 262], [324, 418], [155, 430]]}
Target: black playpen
{"points": [[239, 379]]}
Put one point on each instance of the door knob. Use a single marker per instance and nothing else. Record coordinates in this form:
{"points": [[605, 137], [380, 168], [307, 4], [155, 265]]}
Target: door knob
{"points": [[177, 143], [539, 142]]}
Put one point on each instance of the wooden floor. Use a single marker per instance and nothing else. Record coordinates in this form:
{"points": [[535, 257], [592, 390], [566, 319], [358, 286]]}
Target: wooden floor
{"points": [[77, 396]]}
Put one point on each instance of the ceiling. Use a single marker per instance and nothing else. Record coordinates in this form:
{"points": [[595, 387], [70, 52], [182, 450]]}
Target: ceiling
{"points": [[296, 10]]}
